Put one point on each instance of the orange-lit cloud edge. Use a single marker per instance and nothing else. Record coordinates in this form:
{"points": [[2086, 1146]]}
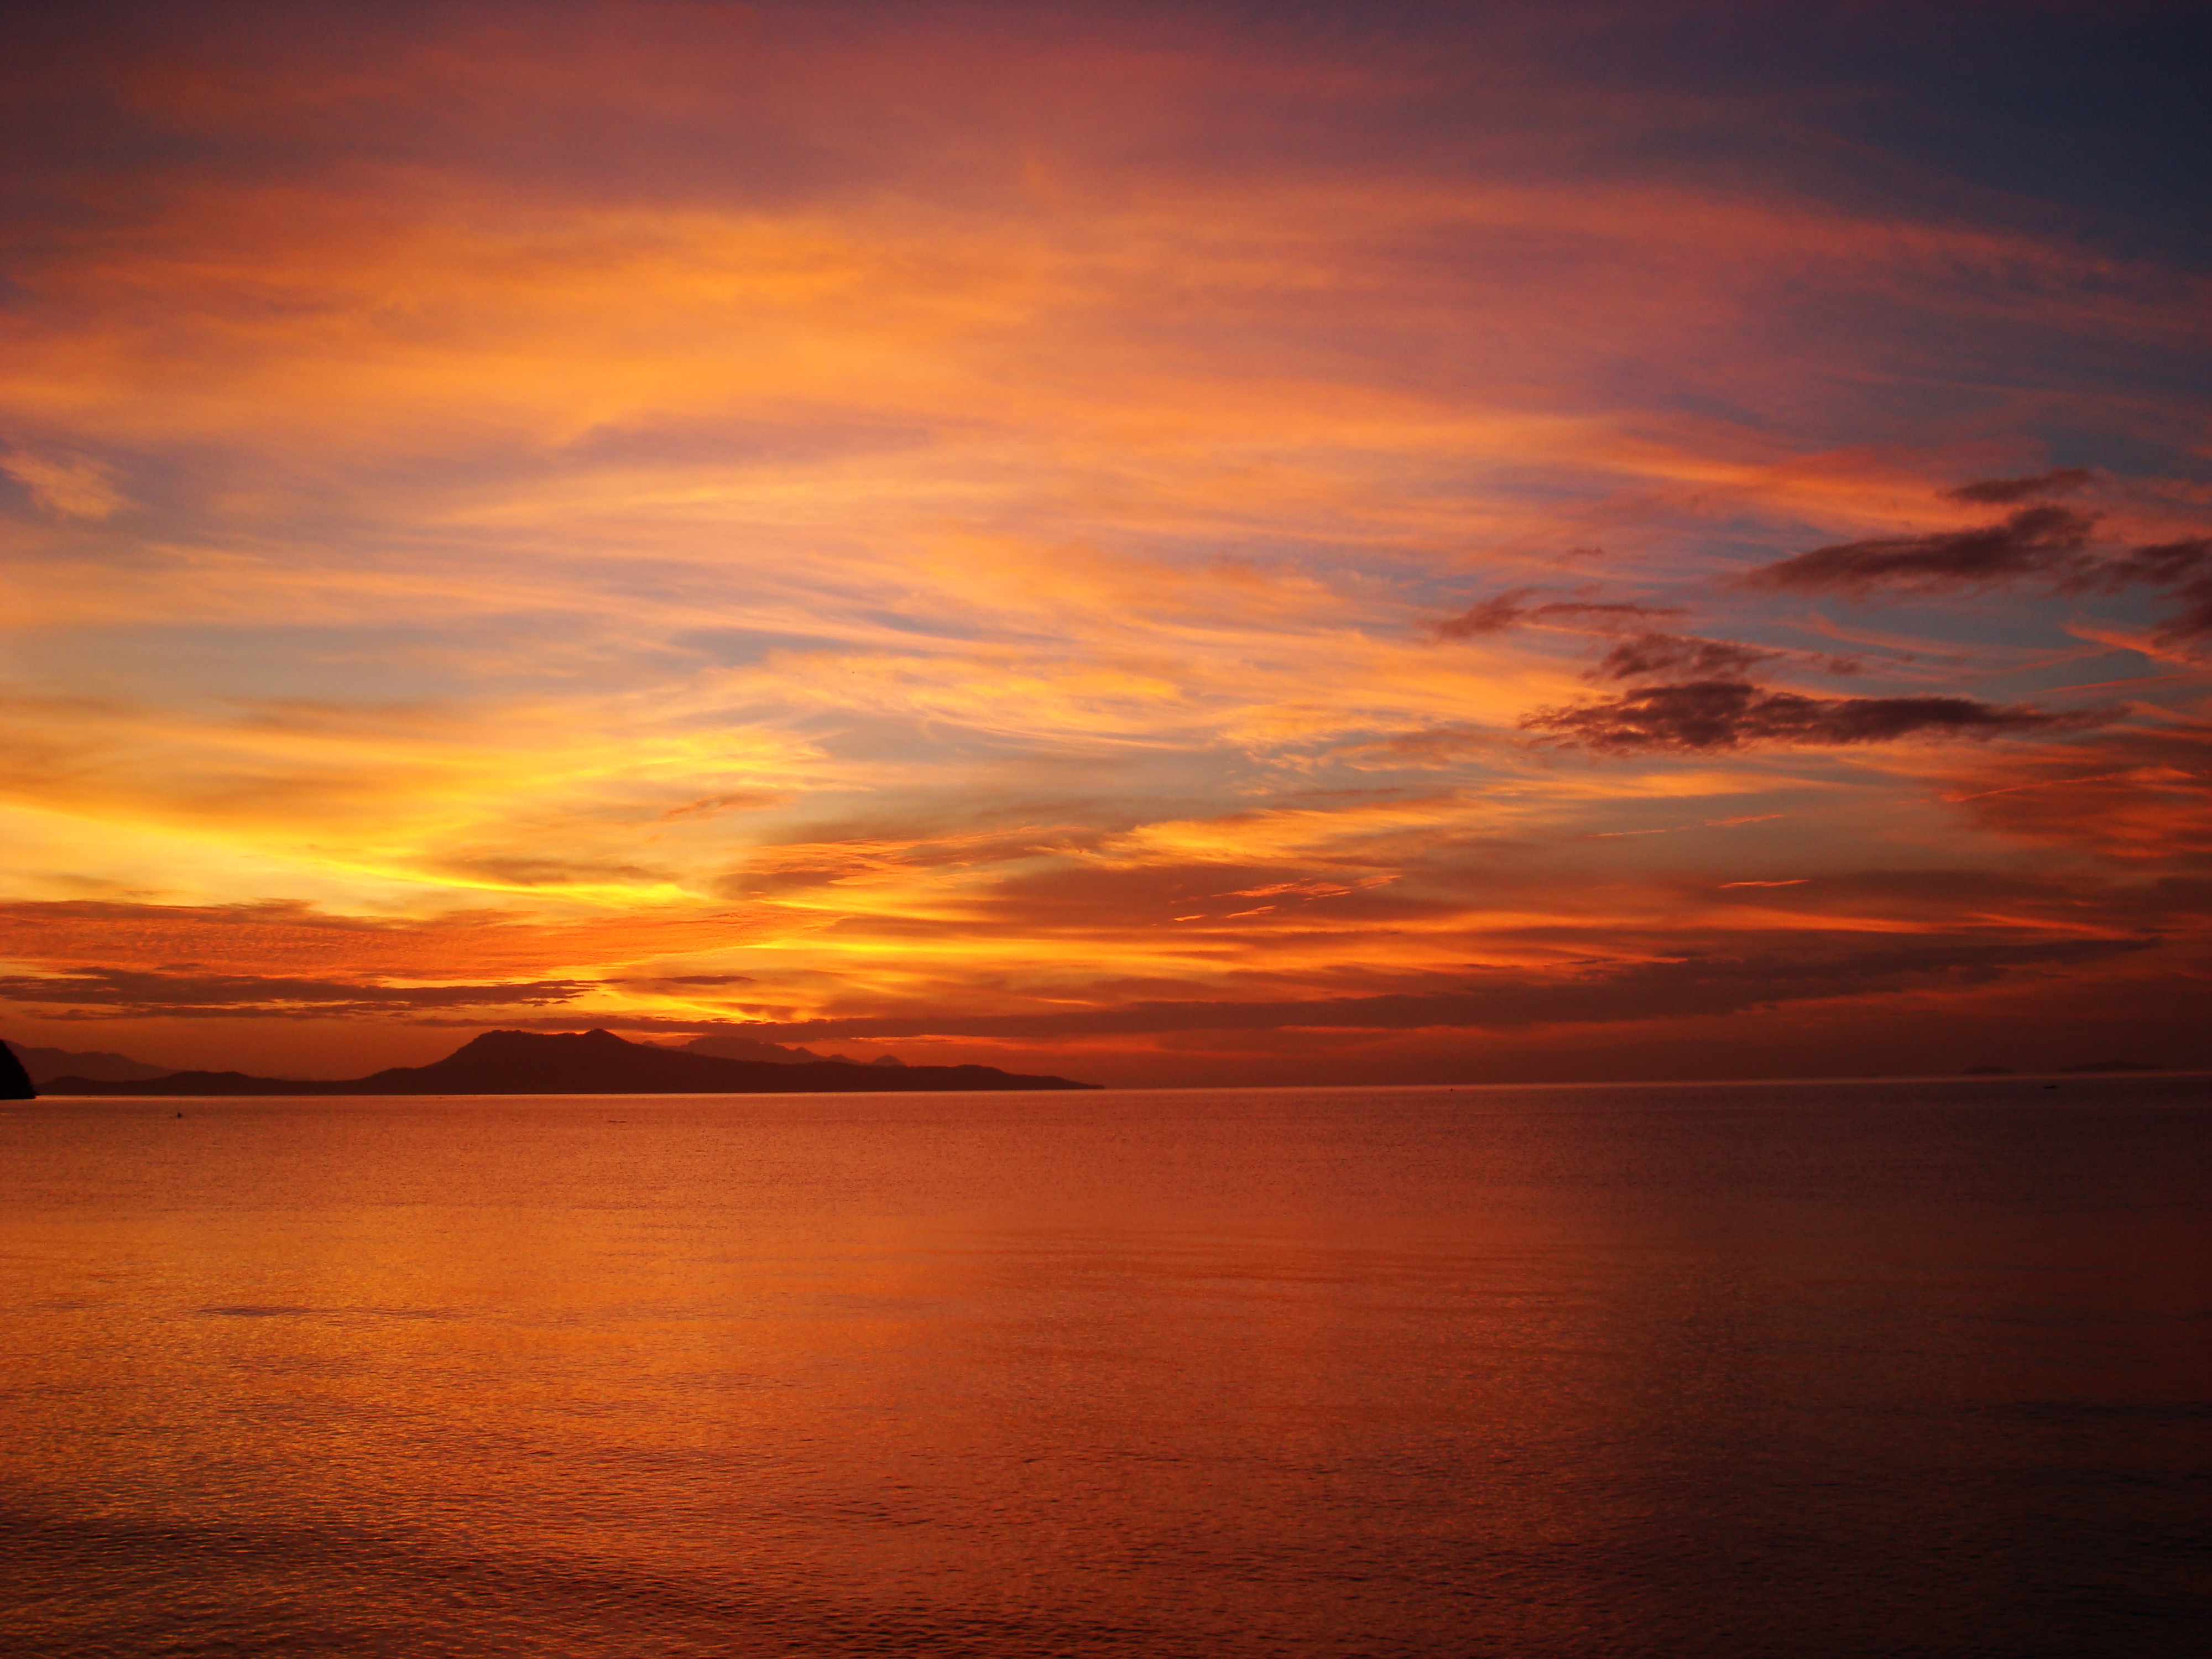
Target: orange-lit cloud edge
{"points": [[1058, 545]]}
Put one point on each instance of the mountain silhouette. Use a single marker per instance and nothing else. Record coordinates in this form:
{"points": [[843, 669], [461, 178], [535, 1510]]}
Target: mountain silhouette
{"points": [[723, 1045], [14, 1081], [98, 1063], [579, 1063]]}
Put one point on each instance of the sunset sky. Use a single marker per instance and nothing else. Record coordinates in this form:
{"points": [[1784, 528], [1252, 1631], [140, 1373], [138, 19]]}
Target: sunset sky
{"points": [[1181, 544]]}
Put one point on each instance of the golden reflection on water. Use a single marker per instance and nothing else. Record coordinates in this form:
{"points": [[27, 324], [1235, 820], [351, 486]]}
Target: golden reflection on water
{"points": [[1395, 1371]]}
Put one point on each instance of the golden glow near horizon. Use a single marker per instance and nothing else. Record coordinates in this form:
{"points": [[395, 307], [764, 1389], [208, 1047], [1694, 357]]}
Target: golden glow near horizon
{"points": [[1094, 543]]}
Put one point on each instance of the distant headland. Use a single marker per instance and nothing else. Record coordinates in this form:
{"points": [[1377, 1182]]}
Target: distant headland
{"points": [[581, 1063]]}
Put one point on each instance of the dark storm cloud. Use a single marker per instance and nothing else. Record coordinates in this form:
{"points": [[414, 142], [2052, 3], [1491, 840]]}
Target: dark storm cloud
{"points": [[117, 993], [1689, 985], [2003, 492], [1509, 611], [2046, 542], [1721, 714]]}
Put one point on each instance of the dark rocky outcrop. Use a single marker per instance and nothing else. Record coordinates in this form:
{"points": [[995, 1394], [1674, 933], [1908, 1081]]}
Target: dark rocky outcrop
{"points": [[584, 1063], [14, 1081]]}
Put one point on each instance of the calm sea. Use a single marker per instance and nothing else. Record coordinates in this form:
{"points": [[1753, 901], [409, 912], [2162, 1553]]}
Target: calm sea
{"points": [[1799, 1370]]}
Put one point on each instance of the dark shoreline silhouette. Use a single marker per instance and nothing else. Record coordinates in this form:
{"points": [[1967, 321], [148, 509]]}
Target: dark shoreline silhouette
{"points": [[581, 1063]]}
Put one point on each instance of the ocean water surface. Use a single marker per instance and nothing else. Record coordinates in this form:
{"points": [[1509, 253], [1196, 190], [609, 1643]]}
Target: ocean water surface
{"points": [[1806, 1370]]}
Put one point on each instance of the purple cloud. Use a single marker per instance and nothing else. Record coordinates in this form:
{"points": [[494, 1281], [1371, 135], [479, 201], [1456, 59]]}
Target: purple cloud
{"points": [[1705, 715]]}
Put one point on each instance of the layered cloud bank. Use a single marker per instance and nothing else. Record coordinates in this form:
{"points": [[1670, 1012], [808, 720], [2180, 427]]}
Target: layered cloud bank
{"points": [[1155, 544]]}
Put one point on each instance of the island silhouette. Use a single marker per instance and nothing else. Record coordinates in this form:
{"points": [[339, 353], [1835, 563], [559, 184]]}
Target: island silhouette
{"points": [[96, 1063], [596, 1062]]}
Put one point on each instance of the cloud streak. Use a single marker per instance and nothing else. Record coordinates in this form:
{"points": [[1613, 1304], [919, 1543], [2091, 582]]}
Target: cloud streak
{"points": [[2004, 492], [1702, 715], [2046, 543], [1672, 653], [67, 488], [1700, 985], [123, 993], [1509, 611]]}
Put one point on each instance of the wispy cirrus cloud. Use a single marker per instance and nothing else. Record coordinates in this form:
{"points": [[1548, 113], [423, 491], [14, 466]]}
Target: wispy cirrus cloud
{"points": [[2139, 799], [69, 487]]}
